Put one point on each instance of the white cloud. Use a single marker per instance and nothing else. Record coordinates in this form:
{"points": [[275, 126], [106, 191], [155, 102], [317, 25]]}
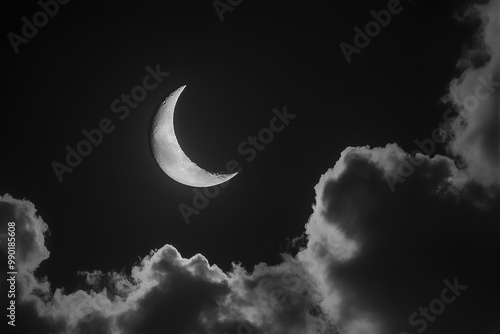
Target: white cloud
{"points": [[164, 290], [330, 286], [475, 97]]}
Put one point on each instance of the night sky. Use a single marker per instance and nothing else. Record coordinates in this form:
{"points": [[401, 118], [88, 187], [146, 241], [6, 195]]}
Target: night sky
{"points": [[119, 244]]}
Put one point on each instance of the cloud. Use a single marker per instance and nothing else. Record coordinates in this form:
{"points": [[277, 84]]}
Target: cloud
{"points": [[474, 95], [372, 257], [378, 256], [163, 292]]}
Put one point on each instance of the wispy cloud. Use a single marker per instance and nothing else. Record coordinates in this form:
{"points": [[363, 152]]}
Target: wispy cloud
{"points": [[475, 96]]}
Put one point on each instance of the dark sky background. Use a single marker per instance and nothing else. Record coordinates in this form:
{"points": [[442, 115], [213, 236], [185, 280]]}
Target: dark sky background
{"points": [[118, 204]]}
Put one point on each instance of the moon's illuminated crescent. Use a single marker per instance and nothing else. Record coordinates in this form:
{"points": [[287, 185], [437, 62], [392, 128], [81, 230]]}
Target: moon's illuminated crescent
{"points": [[169, 155]]}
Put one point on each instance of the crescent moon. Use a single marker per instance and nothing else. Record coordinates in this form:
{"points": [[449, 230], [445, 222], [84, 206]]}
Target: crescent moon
{"points": [[169, 154]]}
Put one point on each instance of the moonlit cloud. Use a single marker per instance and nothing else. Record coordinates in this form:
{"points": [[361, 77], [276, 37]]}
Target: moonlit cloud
{"points": [[475, 97], [372, 258]]}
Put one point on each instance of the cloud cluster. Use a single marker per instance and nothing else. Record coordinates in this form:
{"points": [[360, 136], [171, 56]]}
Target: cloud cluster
{"points": [[387, 253], [164, 291]]}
